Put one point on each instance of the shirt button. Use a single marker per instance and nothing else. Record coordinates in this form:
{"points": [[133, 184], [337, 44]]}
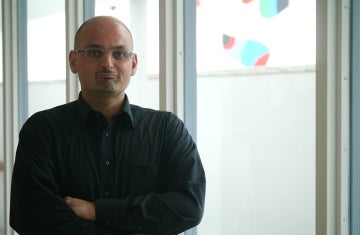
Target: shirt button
{"points": [[106, 194], [106, 134], [107, 163]]}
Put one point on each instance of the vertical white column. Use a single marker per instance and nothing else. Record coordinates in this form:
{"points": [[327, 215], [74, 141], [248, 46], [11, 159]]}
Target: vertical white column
{"points": [[332, 118], [74, 18], [355, 120], [344, 149], [10, 99], [171, 73]]}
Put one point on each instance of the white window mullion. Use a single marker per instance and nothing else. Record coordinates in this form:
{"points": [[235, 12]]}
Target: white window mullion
{"points": [[10, 97], [344, 142], [332, 117], [74, 11], [355, 121], [171, 73]]}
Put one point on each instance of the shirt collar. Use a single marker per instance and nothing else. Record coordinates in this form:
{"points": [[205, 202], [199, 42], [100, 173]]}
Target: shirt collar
{"points": [[84, 112], [126, 113]]}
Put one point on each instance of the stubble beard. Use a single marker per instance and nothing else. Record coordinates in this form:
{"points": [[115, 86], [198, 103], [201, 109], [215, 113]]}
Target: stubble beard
{"points": [[108, 87]]}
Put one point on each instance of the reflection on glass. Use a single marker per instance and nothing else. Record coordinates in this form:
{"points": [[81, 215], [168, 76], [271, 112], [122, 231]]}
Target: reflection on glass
{"points": [[256, 116], [46, 54]]}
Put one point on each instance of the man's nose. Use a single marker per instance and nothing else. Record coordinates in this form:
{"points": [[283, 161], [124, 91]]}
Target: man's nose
{"points": [[107, 60]]}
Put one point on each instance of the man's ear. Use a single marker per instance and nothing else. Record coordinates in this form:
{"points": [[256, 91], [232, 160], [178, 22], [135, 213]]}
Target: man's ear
{"points": [[134, 64], [72, 61]]}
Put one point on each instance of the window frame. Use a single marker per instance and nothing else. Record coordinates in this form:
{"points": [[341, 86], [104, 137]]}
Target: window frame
{"points": [[332, 117], [355, 120]]}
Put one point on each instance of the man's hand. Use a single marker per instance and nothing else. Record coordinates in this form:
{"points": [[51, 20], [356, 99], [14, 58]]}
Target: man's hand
{"points": [[83, 209]]}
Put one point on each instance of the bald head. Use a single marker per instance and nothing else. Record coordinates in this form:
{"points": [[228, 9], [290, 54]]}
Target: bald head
{"points": [[98, 21]]}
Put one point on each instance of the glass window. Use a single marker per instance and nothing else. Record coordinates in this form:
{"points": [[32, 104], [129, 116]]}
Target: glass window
{"points": [[256, 115], [144, 86], [46, 54]]}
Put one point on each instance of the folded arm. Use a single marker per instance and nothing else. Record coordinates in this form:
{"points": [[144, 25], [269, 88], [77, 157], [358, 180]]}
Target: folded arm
{"points": [[177, 205], [36, 207]]}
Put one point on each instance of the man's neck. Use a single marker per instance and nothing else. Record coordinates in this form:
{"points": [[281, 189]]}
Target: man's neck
{"points": [[107, 105]]}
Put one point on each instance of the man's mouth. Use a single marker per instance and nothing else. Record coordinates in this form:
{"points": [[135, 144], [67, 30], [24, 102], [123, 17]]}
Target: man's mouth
{"points": [[106, 75]]}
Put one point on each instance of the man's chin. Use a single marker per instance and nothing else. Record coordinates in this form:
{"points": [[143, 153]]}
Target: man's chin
{"points": [[109, 92]]}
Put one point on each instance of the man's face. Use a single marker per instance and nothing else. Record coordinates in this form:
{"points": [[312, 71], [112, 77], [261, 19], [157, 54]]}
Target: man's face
{"points": [[104, 76]]}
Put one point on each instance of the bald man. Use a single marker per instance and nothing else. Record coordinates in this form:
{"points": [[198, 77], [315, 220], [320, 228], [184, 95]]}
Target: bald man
{"points": [[100, 165]]}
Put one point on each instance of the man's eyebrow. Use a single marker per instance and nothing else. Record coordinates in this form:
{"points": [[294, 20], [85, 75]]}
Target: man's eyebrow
{"points": [[93, 46], [122, 47]]}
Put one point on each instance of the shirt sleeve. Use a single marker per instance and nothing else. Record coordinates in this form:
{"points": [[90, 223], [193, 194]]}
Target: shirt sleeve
{"points": [[36, 207], [180, 204]]}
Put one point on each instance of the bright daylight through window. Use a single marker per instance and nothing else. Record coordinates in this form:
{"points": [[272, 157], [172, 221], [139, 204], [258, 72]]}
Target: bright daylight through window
{"points": [[256, 115]]}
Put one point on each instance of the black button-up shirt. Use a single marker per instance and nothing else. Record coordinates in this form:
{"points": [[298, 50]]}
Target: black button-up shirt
{"points": [[142, 170]]}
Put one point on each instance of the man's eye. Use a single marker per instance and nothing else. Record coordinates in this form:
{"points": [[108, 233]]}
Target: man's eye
{"points": [[119, 54], [94, 53]]}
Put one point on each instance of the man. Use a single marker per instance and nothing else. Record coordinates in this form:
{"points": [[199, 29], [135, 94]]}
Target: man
{"points": [[100, 165]]}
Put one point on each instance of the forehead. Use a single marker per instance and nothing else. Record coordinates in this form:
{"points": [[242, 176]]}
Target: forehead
{"points": [[104, 33]]}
